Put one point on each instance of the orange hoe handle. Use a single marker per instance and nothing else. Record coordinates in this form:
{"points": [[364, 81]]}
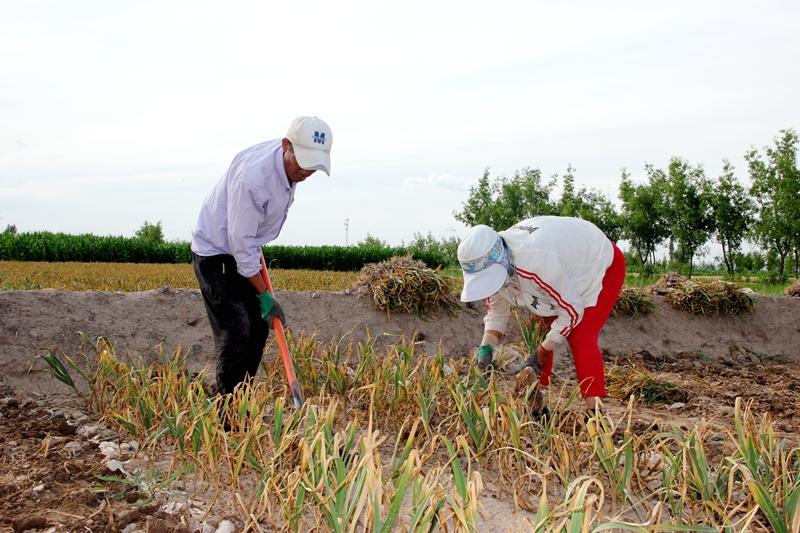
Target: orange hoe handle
{"points": [[280, 335]]}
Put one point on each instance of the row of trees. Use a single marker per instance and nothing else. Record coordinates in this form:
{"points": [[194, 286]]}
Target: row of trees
{"points": [[678, 207], [148, 231]]}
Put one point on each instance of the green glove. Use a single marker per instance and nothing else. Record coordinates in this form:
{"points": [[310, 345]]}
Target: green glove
{"points": [[270, 308], [485, 353]]}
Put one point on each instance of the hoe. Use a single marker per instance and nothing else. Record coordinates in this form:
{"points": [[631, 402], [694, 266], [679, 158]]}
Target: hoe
{"points": [[288, 365]]}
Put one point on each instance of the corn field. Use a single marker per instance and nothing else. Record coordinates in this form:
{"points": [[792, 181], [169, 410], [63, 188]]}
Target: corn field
{"points": [[48, 246], [393, 440]]}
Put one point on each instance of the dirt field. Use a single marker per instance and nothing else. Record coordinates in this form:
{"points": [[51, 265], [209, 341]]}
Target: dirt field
{"points": [[54, 449]]}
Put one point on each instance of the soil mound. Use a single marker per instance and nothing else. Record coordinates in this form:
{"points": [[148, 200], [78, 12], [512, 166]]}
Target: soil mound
{"points": [[152, 322]]}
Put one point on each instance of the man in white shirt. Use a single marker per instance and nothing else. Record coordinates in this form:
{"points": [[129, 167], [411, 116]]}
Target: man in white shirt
{"points": [[561, 268], [246, 210]]}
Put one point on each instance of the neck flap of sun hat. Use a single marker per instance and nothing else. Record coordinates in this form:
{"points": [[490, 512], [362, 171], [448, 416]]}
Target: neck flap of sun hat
{"points": [[498, 253]]}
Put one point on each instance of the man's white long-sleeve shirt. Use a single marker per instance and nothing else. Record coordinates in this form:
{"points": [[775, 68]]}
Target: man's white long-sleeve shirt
{"points": [[246, 209], [559, 267]]}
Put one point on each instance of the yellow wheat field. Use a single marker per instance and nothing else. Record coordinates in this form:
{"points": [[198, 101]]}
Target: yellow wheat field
{"points": [[130, 277]]}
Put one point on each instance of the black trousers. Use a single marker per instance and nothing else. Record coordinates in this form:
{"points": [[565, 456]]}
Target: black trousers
{"points": [[235, 316]]}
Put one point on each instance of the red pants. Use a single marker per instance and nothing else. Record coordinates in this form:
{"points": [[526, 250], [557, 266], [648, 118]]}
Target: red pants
{"points": [[583, 340]]}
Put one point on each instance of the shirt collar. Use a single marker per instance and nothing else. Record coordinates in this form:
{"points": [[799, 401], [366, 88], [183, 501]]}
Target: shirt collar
{"points": [[279, 168]]}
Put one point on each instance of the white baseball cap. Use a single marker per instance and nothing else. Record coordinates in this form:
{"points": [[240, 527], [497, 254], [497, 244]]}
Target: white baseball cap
{"points": [[485, 263], [312, 139]]}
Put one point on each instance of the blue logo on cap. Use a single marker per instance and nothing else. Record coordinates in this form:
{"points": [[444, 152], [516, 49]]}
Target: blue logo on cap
{"points": [[319, 138]]}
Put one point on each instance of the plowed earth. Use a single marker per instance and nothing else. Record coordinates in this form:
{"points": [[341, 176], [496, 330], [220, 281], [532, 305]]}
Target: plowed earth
{"points": [[55, 476]]}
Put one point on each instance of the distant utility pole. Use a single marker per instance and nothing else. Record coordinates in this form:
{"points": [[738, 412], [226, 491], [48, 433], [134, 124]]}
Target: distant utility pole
{"points": [[346, 230]]}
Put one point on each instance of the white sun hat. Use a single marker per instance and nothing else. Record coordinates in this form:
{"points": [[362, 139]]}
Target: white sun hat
{"points": [[311, 138], [484, 261]]}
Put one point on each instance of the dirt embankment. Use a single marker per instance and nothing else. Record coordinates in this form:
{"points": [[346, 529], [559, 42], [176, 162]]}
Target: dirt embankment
{"points": [[33, 321]]}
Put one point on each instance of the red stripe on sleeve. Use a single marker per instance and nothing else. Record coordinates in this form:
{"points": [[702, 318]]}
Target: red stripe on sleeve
{"points": [[555, 296]]}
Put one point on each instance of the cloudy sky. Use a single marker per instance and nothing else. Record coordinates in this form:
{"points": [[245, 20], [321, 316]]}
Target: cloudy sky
{"points": [[113, 113]]}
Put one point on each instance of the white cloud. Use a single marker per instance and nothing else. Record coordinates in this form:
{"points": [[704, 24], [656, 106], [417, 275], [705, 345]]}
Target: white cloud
{"points": [[440, 180]]}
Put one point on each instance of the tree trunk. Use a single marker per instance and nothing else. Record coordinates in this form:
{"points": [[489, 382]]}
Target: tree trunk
{"points": [[725, 257], [782, 263]]}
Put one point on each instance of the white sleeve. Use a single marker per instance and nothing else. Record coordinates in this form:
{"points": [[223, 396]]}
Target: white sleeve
{"points": [[244, 216], [498, 313], [553, 281]]}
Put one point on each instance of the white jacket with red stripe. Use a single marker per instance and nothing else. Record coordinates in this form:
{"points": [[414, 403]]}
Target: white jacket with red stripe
{"points": [[560, 263]]}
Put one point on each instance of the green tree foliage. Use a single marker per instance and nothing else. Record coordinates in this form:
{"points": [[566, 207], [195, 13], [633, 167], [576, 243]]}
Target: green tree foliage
{"points": [[644, 221], [775, 186], [428, 245], [11, 229], [151, 232], [502, 202], [749, 262], [733, 211], [688, 208], [589, 205], [371, 240]]}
